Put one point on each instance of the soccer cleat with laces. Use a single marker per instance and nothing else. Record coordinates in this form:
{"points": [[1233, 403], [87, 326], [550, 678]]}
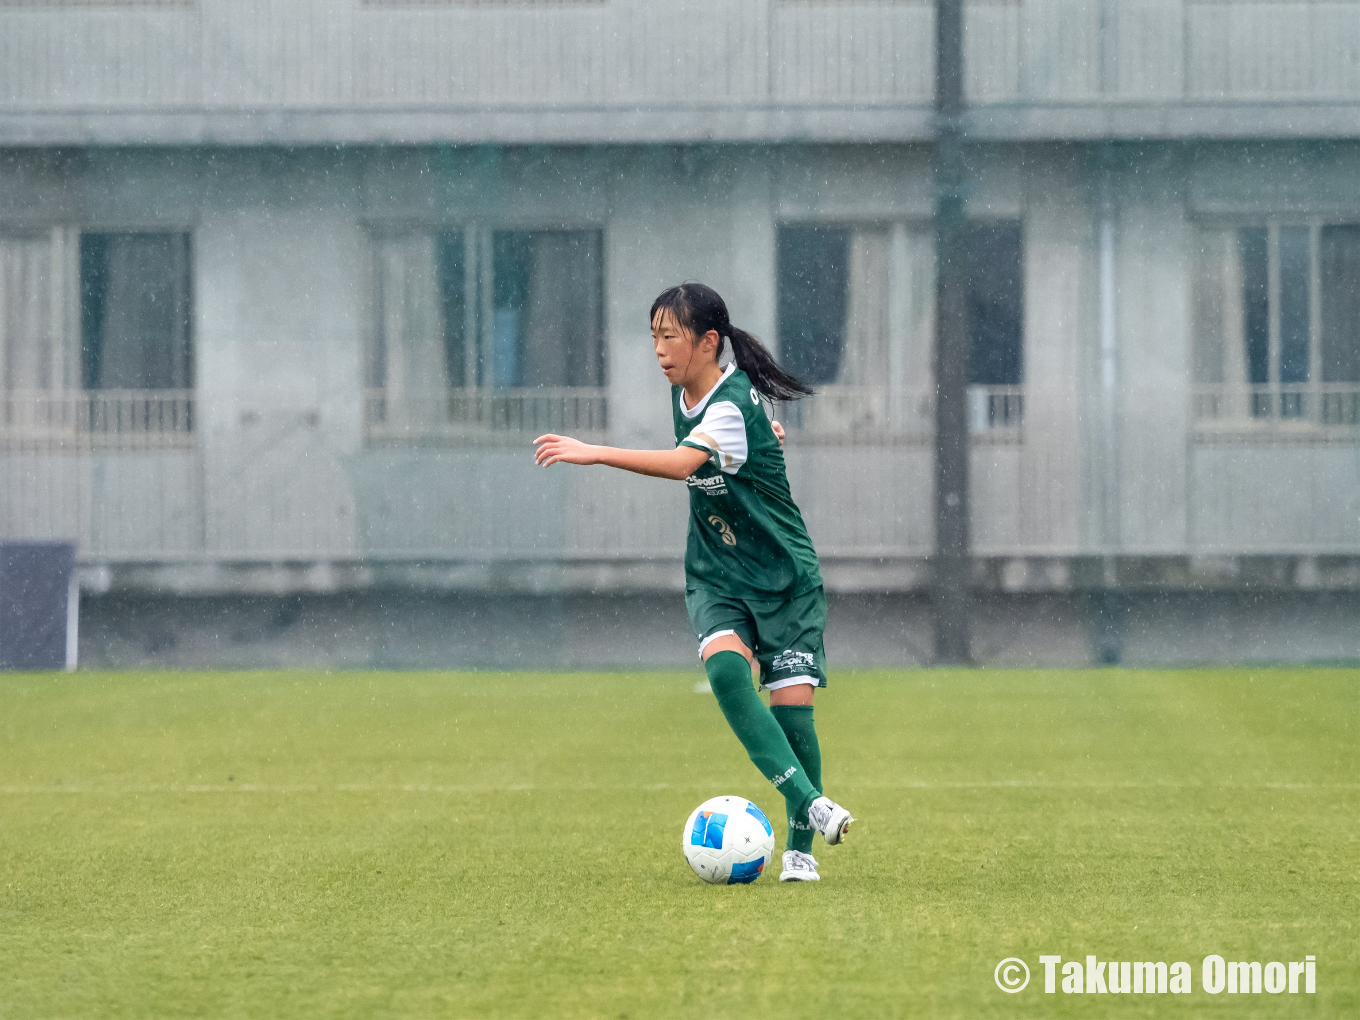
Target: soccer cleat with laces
{"points": [[830, 819], [799, 867]]}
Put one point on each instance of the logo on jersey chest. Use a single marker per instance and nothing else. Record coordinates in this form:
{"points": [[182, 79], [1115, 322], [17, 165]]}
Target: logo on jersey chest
{"points": [[710, 485]]}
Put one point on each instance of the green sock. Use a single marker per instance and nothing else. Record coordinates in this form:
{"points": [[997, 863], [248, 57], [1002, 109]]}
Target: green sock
{"points": [[730, 676], [796, 722]]}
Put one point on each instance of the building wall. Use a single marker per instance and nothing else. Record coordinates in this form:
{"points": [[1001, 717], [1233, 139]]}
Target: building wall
{"points": [[646, 71], [279, 489]]}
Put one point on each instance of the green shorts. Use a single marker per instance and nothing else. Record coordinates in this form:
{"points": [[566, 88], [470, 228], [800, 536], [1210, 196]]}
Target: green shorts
{"points": [[785, 634]]}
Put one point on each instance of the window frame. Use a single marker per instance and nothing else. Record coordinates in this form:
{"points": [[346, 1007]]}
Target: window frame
{"points": [[191, 294], [484, 414], [71, 418], [1232, 409], [996, 413]]}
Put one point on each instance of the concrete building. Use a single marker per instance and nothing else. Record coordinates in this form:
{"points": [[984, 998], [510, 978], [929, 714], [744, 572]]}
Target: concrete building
{"points": [[288, 286]]}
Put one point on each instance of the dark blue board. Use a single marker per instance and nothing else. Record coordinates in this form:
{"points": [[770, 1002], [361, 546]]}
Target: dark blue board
{"points": [[35, 581]]}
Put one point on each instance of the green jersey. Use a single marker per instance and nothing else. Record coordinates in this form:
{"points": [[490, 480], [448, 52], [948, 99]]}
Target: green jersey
{"points": [[746, 536]]}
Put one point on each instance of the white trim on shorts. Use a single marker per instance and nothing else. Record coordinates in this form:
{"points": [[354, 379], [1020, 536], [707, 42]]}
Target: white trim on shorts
{"points": [[791, 681], [713, 637]]}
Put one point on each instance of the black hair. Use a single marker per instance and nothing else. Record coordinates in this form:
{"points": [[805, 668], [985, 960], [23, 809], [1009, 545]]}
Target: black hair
{"points": [[698, 309]]}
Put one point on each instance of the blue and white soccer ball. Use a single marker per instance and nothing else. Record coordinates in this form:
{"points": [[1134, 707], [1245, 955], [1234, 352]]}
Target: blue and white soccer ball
{"points": [[728, 840]]}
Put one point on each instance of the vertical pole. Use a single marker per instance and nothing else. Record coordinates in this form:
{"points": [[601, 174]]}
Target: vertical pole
{"points": [[472, 306], [1273, 305], [900, 294], [1109, 624], [951, 573], [489, 218], [1313, 412], [1109, 365]]}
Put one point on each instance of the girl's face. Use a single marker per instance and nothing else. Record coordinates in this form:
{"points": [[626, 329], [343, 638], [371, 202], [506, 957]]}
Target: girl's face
{"points": [[681, 357]]}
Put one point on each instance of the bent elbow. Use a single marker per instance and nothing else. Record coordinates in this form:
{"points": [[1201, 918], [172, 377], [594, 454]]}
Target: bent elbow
{"points": [[682, 471]]}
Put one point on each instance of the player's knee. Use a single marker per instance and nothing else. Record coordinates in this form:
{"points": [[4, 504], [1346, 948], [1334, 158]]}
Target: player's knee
{"points": [[794, 694]]}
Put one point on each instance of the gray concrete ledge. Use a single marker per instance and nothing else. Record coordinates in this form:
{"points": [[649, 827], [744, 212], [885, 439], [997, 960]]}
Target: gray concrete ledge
{"points": [[688, 124], [870, 575]]}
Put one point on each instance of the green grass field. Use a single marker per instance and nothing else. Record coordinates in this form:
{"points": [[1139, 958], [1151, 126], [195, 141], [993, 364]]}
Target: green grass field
{"points": [[462, 845]]}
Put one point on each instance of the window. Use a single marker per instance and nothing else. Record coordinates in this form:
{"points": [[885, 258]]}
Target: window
{"points": [[95, 340], [1339, 286], [134, 311], [832, 307], [482, 331], [813, 292], [1276, 323], [995, 304], [546, 306], [837, 287], [996, 323], [37, 353], [833, 303]]}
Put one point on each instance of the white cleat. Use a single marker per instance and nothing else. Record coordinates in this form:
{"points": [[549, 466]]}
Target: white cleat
{"points": [[830, 819], [799, 867]]}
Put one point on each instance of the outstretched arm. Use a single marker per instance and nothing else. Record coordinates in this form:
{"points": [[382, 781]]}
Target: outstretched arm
{"points": [[679, 463]]}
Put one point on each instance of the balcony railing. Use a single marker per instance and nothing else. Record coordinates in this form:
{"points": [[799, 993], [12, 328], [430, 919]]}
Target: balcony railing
{"points": [[1301, 410], [480, 416], [110, 420], [996, 411]]}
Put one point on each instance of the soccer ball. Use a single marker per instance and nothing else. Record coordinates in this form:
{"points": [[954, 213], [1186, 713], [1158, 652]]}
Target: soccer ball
{"points": [[728, 840]]}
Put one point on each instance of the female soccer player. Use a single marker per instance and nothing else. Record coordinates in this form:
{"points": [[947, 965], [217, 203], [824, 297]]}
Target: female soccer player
{"points": [[753, 586]]}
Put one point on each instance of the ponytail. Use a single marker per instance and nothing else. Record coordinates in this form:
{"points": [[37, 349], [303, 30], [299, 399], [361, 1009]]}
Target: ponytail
{"points": [[755, 359], [699, 309]]}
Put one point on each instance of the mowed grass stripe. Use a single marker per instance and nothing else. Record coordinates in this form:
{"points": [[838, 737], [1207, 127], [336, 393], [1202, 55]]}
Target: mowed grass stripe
{"points": [[26, 791], [508, 844]]}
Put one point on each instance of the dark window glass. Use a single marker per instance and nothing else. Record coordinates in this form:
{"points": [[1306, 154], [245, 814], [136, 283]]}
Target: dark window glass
{"points": [[995, 303], [452, 256], [1256, 302], [135, 311], [547, 308], [1340, 257], [1294, 314], [812, 294]]}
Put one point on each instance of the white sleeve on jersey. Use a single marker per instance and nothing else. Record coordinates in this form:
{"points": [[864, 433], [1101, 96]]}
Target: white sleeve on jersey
{"points": [[722, 430]]}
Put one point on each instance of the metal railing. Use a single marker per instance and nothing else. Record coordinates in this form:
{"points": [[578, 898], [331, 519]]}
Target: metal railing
{"points": [[484, 416], [111, 420], [996, 411], [1297, 409]]}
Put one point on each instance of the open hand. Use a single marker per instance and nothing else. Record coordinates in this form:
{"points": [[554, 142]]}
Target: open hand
{"points": [[563, 449], [778, 432]]}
